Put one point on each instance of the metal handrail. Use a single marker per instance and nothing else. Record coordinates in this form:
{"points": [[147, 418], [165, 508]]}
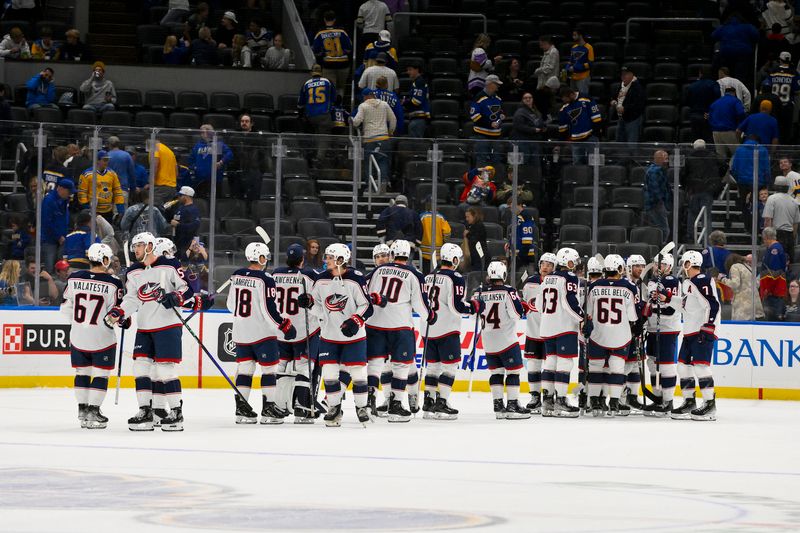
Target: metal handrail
{"points": [[702, 235], [726, 196], [371, 183], [669, 19]]}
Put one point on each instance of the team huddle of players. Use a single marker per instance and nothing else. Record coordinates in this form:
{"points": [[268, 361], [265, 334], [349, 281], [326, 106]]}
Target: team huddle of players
{"points": [[340, 327]]}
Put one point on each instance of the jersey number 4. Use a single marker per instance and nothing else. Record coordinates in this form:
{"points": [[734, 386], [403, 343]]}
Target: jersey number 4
{"points": [[81, 308]]}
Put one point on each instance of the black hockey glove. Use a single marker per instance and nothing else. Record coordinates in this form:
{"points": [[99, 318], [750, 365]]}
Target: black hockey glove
{"points": [[588, 326], [432, 316], [351, 326], [113, 317], [125, 323], [706, 334], [171, 299], [288, 330], [305, 301], [477, 306]]}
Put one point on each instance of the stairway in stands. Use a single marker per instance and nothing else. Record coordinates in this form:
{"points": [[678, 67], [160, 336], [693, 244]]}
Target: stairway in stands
{"points": [[112, 31], [739, 239]]}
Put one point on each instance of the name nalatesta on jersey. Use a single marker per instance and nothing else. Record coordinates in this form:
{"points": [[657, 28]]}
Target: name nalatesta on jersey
{"points": [[92, 286]]}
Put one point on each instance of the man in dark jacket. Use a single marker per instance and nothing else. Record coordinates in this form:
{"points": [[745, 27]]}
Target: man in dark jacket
{"points": [[702, 181], [249, 161], [55, 221], [186, 220], [630, 108], [701, 94], [398, 221]]}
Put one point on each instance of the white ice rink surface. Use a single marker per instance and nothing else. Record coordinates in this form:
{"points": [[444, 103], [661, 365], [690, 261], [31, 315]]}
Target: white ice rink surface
{"points": [[741, 473]]}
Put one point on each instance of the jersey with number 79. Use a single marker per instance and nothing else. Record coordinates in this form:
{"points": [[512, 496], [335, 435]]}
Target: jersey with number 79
{"points": [[558, 305], [502, 309], [252, 301], [401, 286]]}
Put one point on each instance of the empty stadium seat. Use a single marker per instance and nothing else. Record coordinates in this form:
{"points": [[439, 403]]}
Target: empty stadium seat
{"points": [[447, 88], [576, 215], [220, 121], [287, 226], [47, 114], [184, 120], [80, 116], [225, 102], [159, 100], [307, 209], [116, 118], [570, 233], [612, 234], [298, 188], [237, 226], [493, 230], [657, 115], [312, 227], [193, 101], [259, 103], [647, 235], [618, 217], [150, 119], [628, 197], [230, 207], [584, 197]]}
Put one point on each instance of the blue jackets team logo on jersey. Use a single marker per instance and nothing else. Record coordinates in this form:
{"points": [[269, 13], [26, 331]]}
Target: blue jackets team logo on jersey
{"points": [[336, 303], [150, 292]]}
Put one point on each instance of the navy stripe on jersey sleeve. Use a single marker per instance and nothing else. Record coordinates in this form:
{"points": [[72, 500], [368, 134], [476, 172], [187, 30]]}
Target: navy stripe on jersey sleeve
{"points": [[269, 288], [703, 283], [572, 295], [362, 283], [461, 307]]}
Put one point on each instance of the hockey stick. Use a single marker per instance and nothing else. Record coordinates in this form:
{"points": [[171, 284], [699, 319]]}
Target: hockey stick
{"points": [[424, 362], [122, 334], [479, 249], [667, 249], [312, 388]]}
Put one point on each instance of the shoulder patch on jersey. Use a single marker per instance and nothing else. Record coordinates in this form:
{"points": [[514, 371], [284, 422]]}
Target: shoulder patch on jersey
{"points": [[456, 274], [357, 273], [774, 251], [701, 276]]}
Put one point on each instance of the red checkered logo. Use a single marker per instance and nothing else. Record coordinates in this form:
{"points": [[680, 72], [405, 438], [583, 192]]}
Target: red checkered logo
{"points": [[12, 338]]}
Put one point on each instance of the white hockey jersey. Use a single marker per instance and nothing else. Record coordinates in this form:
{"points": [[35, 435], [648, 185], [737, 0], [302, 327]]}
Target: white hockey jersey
{"points": [[666, 317], [447, 290], [88, 296], [700, 303], [142, 291], [530, 292], [291, 283], [401, 285], [251, 299], [499, 318], [336, 300], [558, 304], [612, 305]]}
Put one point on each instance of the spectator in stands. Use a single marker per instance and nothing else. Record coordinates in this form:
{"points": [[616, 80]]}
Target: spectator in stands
{"points": [[782, 213], [250, 160], [371, 74], [108, 192], [382, 92], [383, 44], [740, 280], [241, 55], [201, 160], [474, 233], [762, 125], [377, 122], [629, 104], [763, 196], [55, 220], [724, 116], [332, 47], [416, 104], [166, 173], [525, 239], [486, 112], [579, 66], [578, 121], [203, 50], [549, 65], [196, 261], [73, 49], [76, 161], [742, 167], [175, 51], [373, 17], [701, 94], [315, 102], [657, 194], [792, 178], [781, 13], [313, 255], [480, 66], [105, 232], [514, 79], [528, 126], [41, 90], [11, 287], [137, 217], [20, 237], [478, 187], [736, 41], [177, 11], [398, 221], [702, 182], [122, 164], [226, 30], [186, 220], [98, 92], [78, 241], [44, 48], [48, 292], [431, 242], [725, 82], [14, 45], [196, 21], [259, 39], [61, 277], [54, 169], [141, 178], [546, 99], [278, 57], [772, 283], [791, 310], [784, 82]]}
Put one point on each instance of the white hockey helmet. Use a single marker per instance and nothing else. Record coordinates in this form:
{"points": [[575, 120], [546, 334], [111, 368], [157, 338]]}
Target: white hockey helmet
{"points": [[635, 260], [145, 238], [667, 259], [340, 252], [693, 257], [548, 257], [451, 253], [254, 252], [565, 255], [497, 270], [400, 248], [99, 252], [594, 266], [165, 247], [613, 263], [380, 249]]}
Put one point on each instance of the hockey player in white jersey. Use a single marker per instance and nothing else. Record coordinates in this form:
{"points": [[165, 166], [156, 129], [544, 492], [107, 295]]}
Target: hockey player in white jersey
{"points": [[395, 290], [611, 307], [446, 290], [534, 344], [154, 287], [342, 305], [633, 379], [561, 316], [663, 327], [502, 309], [381, 254], [256, 326], [292, 281], [700, 316], [88, 296], [594, 271]]}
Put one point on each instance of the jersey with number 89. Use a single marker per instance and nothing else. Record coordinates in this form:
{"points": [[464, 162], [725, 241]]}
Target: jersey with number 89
{"points": [[88, 296], [446, 299], [290, 283], [401, 286], [501, 311], [252, 301], [558, 305]]}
